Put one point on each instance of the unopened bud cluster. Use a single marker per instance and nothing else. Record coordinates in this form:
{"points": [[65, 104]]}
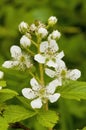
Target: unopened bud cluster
{"points": [[39, 46]]}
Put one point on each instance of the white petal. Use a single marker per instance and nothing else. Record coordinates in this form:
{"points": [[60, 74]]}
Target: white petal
{"points": [[39, 58], [54, 97], [0, 87], [15, 51], [10, 64], [51, 63], [50, 73], [34, 84], [43, 46], [53, 45], [60, 65], [51, 87], [28, 93], [74, 74], [37, 103], [1, 74], [60, 55]]}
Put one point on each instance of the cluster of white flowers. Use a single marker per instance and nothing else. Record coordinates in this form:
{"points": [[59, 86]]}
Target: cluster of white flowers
{"points": [[1, 76], [48, 54]]}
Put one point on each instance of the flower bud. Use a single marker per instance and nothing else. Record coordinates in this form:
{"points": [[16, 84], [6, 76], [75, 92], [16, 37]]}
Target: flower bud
{"points": [[25, 41], [56, 34], [42, 32], [33, 27], [23, 27], [52, 20]]}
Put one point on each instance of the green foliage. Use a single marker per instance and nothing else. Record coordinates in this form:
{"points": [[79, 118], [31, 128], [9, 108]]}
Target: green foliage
{"points": [[84, 128], [47, 118], [3, 83], [3, 124], [72, 24], [73, 90], [15, 113], [6, 94]]}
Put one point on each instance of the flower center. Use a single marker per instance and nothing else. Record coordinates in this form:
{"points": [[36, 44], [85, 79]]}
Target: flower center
{"points": [[49, 51], [63, 73], [22, 58], [42, 92]]}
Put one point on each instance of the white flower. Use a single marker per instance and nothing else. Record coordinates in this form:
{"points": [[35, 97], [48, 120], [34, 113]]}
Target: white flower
{"points": [[23, 27], [20, 59], [73, 74], [40, 94], [1, 74], [49, 54], [25, 41], [52, 20], [61, 72], [42, 32]]}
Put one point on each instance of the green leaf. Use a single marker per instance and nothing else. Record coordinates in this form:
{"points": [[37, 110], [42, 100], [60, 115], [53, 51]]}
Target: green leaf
{"points": [[73, 90], [6, 94], [24, 101], [15, 113], [3, 83], [3, 124], [47, 118], [84, 128]]}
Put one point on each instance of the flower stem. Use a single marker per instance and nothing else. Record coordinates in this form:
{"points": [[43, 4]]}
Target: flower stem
{"points": [[34, 76], [41, 74], [41, 69], [34, 43], [30, 52]]}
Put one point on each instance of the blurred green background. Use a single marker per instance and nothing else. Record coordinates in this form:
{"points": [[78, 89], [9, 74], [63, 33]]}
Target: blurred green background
{"points": [[71, 16]]}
